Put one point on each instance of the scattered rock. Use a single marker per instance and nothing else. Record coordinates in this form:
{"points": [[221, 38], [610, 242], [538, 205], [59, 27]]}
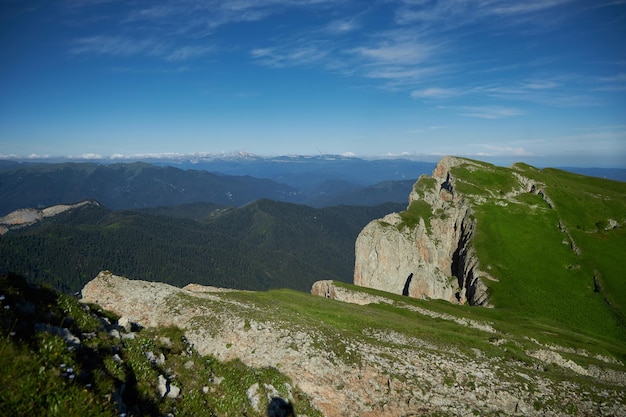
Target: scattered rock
{"points": [[166, 341], [254, 396], [124, 324], [59, 331], [167, 389], [151, 357]]}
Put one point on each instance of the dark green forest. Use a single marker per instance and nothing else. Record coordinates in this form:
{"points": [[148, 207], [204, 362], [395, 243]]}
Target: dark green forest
{"points": [[265, 244]]}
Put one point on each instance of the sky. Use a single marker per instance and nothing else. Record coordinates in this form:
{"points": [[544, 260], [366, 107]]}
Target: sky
{"points": [[506, 80]]}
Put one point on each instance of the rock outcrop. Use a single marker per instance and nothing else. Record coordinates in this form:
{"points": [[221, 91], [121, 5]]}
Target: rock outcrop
{"points": [[426, 251], [376, 371], [28, 216]]}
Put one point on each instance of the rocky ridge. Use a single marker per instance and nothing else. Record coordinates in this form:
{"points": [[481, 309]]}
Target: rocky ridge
{"points": [[28, 216], [378, 371], [426, 251]]}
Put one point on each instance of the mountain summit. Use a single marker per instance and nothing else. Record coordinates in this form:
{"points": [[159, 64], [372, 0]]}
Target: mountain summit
{"points": [[545, 242]]}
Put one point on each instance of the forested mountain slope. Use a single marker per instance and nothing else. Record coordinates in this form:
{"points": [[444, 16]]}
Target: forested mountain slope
{"points": [[265, 244], [129, 186]]}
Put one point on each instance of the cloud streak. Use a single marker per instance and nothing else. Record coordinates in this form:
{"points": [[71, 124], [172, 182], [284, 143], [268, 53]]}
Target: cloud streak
{"points": [[448, 14], [121, 46], [489, 112], [435, 93]]}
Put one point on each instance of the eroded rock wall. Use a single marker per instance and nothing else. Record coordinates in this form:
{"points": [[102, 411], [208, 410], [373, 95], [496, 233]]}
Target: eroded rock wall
{"points": [[431, 259]]}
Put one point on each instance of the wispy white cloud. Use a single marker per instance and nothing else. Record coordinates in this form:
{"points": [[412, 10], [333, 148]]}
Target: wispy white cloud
{"points": [[609, 134], [428, 129], [614, 83], [290, 55], [87, 156], [190, 51], [455, 13], [341, 26], [489, 112], [202, 14], [539, 84], [555, 91], [435, 93], [415, 54], [117, 46], [86, 3], [126, 46], [399, 58], [513, 7], [501, 150], [394, 53], [177, 30]]}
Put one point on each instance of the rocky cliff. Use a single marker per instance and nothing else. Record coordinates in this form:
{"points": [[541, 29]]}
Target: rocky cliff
{"points": [[424, 252]]}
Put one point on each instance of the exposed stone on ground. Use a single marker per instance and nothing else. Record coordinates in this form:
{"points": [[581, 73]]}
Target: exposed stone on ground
{"points": [[277, 406], [166, 388], [124, 324], [64, 333], [380, 373], [328, 289]]}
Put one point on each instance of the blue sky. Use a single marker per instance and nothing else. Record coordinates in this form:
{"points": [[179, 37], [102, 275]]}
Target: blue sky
{"points": [[507, 80]]}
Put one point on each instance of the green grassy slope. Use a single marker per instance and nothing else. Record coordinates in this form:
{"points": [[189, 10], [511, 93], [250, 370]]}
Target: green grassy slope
{"points": [[43, 375], [540, 277]]}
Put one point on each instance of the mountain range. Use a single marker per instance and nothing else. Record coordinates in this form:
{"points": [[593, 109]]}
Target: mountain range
{"points": [[318, 182], [224, 179]]}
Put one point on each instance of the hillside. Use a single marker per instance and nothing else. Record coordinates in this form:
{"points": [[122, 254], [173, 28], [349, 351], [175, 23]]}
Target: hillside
{"points": [[144, 348], [265, 244], [63, 358], [369, 353], [129, 186], [543, 244]]}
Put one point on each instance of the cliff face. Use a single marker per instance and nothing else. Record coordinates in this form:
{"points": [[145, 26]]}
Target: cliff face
{"points": [[426, 251]]}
